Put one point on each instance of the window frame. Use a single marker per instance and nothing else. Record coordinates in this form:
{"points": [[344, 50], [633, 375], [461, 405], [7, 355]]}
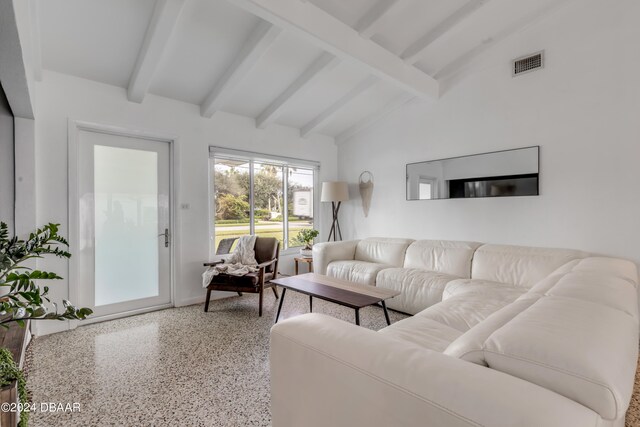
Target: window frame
{"points": [[251, 158]]}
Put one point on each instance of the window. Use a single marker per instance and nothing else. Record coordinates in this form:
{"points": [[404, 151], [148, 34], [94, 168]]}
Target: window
{"points": [[259, 194]]}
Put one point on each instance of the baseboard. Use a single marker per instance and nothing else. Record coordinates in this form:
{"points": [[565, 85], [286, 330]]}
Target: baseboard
{"points": [[46, 327], [190, 301], [115, 316], [200, 299]]}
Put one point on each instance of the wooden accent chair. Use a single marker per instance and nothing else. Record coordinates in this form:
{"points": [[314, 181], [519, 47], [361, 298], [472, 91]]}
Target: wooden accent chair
{"points": [[224, 247], [267, 251]]}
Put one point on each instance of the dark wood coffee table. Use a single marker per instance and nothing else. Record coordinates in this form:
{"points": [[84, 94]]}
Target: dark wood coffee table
{"points": [[342, 292]]}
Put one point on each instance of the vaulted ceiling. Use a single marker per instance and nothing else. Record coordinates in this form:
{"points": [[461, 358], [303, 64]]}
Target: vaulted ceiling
{"points": [[325, 66]]}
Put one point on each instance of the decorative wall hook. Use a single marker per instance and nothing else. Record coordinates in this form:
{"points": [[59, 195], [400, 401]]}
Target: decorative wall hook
{"points": [[365, 182]]}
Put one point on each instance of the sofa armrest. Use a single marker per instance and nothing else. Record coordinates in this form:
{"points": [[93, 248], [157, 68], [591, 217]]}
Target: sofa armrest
{"points": [[326, 372], [327, 252]]}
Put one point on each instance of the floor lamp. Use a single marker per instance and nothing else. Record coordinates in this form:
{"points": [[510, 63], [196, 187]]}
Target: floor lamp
{"points": [[335, 192]]}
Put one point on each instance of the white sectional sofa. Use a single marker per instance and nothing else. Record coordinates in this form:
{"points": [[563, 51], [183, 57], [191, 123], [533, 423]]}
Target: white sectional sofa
{"points": [[501, 336]]}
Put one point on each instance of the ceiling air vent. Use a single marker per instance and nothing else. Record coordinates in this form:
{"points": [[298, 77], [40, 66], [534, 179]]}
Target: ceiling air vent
{"points": [[528, 63]]}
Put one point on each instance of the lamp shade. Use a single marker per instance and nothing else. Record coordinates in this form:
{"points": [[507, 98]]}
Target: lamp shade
{"points": [[334, 191]]}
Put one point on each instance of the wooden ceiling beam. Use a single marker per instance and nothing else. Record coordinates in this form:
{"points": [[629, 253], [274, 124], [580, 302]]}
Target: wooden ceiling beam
{"points": [[306, 20], [368, 25], [324, 63], [373, 118], [525, 22], [414, 53], [323, 117], [260, 40], [13, 73], [163, 21]]}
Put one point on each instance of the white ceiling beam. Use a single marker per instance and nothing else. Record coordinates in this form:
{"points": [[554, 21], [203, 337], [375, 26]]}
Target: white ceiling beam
{"points": [[163, 21], [324, 63], [414, 53], [36, 49], [323, 117], [260, 40], [467, 58], [374, 118], [13, 73], [325, 31], [368, 25]]}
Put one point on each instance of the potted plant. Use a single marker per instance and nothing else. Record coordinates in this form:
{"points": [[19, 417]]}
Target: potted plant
{"points": [[305, 237], [21, 299]]}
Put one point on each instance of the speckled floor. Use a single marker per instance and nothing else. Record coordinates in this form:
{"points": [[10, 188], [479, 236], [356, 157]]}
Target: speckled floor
{"points": [[176, 367], [633, 413]]}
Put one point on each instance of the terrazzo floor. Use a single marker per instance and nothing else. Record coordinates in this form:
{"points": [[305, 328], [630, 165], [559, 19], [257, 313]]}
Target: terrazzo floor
{"points": [[175, 367]]}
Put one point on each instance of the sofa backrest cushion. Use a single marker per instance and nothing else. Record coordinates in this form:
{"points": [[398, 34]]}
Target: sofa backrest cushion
{"points": [[613, 266], [470, 345], [442, 256], [382, 250], [606, 281], [580, 349], [519, 265], [463, 312]]}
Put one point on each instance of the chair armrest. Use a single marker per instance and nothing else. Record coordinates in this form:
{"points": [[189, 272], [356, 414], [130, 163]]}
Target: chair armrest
{"points": [[266, 264], [212, 263], [326, 372], [218, 259], [327, 252]]}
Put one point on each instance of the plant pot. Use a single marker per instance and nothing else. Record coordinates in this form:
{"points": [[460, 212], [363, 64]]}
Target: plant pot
{"points": [[307, 253]]}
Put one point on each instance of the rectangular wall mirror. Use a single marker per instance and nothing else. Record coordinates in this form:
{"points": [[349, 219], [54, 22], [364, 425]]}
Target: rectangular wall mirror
{"points": [[497, 174]]}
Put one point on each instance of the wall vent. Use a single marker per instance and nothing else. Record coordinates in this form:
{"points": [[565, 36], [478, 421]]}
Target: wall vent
{"points": [[527, 64]]}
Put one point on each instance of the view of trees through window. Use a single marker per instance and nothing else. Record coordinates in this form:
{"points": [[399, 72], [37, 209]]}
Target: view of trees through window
{"points": [[232, 193]]}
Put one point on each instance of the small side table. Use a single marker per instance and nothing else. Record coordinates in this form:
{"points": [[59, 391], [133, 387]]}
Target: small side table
{"points": [[308, 261]]}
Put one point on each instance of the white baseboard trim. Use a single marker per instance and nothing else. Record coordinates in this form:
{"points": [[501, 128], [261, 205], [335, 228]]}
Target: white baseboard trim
{"points": [[190, 301], [91, 320], [41, 328], [200, 299]]}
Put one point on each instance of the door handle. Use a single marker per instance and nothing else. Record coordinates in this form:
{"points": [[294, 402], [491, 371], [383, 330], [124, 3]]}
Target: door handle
{"points": [[166, 237]]}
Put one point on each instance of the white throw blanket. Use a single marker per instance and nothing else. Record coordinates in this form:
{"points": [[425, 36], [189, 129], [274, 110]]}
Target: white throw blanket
{"points": [[241, 262]]}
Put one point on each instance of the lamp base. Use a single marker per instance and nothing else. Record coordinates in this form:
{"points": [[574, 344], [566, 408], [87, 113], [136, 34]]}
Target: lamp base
{"points": [[335, 225]]}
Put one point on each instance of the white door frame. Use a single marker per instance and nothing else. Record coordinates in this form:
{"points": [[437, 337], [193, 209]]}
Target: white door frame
{"points": [[74, 127]]}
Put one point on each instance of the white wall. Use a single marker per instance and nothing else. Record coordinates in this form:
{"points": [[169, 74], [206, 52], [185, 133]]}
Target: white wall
{"points": [[60, 97], [583, 110], [6, 162]]}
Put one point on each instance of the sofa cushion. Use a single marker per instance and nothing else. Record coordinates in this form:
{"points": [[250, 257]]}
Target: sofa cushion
{"points": [[477, 286], [382, 250], [521, 266], [613, 266], [583, 350], [356, 271], [326, 252], [470, 345], [419, 288], [423, 331], [610, 291], [606, 281], [462, 312], [443, 256]]}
